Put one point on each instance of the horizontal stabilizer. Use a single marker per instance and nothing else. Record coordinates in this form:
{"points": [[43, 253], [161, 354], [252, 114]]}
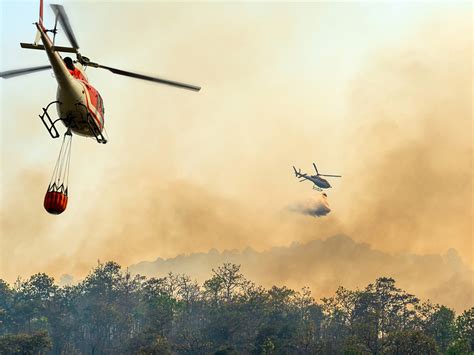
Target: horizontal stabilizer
{"points": [[41, 47]]}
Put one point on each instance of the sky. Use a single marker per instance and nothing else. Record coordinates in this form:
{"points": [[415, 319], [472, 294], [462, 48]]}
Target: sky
{"points": [[378, 92]]}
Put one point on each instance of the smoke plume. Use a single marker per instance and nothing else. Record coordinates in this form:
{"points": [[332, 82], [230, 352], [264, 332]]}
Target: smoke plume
{"points": [[315, 207]]}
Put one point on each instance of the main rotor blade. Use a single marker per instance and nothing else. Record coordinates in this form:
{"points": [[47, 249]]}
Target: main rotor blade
{"points": [[150, 78], [64, 21], [315, 168], [330, 175], [17, 72]]}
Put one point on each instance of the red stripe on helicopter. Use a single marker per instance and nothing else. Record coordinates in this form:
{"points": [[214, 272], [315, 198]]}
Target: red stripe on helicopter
{"points": [[93, 104]]}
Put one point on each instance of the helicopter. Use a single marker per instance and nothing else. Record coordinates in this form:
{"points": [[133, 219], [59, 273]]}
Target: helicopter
{"points": [[317, 180], [79, 105]]}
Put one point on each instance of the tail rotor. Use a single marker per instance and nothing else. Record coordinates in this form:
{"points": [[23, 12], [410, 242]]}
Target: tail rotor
{"points": [[297, 172]]}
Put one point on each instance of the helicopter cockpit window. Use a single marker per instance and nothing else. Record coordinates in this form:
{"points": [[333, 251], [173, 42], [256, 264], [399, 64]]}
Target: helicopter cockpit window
{"points": [[100, 104]]}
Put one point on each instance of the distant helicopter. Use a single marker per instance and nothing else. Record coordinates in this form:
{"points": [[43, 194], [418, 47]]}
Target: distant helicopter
{"points": [[317, 180], [79, 105]]}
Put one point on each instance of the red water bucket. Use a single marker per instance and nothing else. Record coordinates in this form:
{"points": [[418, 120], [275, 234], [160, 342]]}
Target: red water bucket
{"points": [[55, 202]]}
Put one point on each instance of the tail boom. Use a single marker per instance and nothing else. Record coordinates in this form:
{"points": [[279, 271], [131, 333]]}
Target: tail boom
{"points": [[63, 77]]}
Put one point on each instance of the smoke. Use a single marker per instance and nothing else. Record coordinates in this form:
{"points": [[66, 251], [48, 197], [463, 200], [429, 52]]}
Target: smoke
{"points": [[66, 280], [333, 262], [315, 207], [412, 130]]}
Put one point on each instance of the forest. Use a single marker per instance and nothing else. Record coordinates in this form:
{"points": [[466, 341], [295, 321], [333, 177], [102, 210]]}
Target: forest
{"points": [[112, 311]]}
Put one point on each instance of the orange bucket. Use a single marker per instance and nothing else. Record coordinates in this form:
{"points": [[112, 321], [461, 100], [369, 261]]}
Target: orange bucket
{"points": [[55, 202]]}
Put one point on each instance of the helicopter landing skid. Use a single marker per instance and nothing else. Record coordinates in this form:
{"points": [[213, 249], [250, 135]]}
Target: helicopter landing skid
{"points": [[48, 122], [317, 188], [93, 127], [97, 134]]}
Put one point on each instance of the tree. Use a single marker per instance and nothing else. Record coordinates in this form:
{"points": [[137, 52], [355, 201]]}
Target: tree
{"points": [[188, 290], [353, 346], [149, 344], [409, 342], [338, 320], [31, 301], [310, 317], [464, 328], [6, 298], [440, 326], [225, 281], [366, 321], [395, 307], [282, 320], [113, 312], [104, 304], [392, 310], [157, 305], [25, 344], [459, 347]]}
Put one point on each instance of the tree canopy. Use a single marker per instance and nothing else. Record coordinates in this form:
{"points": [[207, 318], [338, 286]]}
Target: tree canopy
{"points": [[114, 312]]}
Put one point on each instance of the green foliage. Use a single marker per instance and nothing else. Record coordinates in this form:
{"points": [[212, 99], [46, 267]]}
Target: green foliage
{"points": [[352, 346], [36, 343], [407, 342], [464, 327], [149, 343], [113, 312], [440, 326], [6, 296], [459, 347]]}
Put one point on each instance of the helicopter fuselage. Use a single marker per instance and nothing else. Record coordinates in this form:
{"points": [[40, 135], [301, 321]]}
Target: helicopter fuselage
{"points": [[319, 181], [79, 104], [81, 108]]}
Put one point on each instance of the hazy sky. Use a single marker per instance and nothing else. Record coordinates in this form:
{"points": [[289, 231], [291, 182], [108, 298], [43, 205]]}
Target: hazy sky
{"points": [[380, 93]]}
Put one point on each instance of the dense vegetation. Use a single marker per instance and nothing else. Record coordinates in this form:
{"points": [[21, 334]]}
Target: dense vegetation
{"points": [[113, 312]]}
